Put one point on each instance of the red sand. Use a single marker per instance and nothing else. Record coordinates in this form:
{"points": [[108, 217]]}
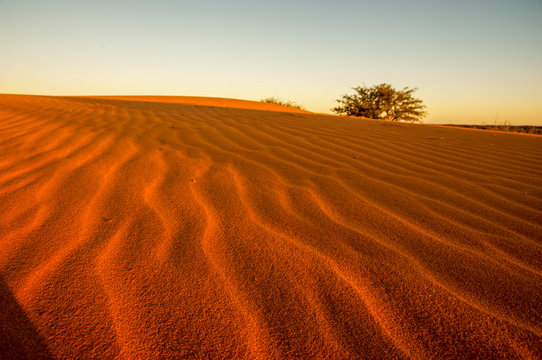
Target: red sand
{"points": [[157, 229], [205, 101]]}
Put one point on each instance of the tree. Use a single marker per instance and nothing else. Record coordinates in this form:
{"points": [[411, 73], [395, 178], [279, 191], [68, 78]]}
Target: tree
{"points": [[382, 102]]}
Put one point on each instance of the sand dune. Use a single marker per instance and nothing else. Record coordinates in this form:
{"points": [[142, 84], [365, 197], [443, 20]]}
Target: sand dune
{"points": [[148, 227], [205, 101]]}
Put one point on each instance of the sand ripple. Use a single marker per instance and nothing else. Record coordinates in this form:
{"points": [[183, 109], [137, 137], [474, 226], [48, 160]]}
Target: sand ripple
{"points": [[150, 227]]}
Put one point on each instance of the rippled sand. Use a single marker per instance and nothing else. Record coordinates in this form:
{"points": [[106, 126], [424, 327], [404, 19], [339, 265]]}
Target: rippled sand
{"points": [[150, 227]]}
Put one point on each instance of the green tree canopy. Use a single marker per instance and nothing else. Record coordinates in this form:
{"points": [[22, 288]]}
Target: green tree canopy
{"points": [[382, 102]]}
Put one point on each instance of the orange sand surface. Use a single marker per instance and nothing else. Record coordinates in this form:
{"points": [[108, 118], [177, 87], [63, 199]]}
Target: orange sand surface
{"points": [[147, 227], [205, 101]]}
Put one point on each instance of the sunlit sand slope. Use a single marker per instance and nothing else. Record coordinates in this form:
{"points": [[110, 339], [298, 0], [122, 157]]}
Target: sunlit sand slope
{"points": [[206, 101], [146, 229]]}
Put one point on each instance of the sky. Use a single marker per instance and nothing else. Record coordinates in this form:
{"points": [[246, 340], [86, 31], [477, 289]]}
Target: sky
{"points": [[472, 61]]}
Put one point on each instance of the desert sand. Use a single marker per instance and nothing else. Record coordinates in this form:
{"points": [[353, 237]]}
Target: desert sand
{"points": [[163, 227]]}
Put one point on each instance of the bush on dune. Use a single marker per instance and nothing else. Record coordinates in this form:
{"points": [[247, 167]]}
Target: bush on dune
{"points": [[289, 103]]}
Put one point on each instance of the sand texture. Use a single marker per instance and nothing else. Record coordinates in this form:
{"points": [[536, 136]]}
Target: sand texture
{"points": [[150, 227]]}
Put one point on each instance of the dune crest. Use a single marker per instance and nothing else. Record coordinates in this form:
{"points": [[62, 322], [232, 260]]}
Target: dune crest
{"points": [[207, 101], [148, 227]]}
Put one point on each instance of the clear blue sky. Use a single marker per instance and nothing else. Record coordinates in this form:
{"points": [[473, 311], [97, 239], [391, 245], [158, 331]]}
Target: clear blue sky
{"points": [[473, 61]]}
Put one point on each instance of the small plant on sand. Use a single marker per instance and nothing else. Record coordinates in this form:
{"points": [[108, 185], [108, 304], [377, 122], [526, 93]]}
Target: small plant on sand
{"points": [[289, 103], [382, 102]]}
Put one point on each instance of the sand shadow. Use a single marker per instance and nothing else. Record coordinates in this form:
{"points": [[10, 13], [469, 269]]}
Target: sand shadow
{"points": [[19, 338]]}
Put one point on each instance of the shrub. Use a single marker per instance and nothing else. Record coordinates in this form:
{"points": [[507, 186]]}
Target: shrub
{"points": [[289, 103]]}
